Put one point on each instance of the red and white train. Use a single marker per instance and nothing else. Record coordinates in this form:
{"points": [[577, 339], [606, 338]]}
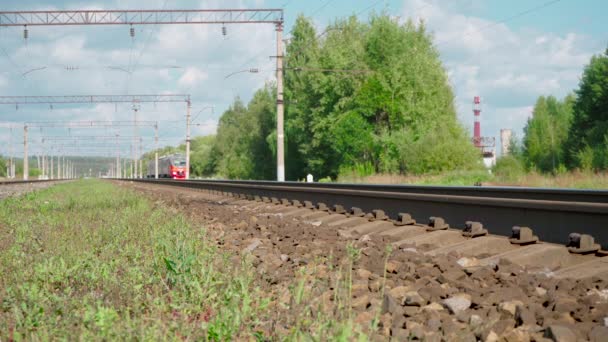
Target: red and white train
{"points": [[172, 166]]}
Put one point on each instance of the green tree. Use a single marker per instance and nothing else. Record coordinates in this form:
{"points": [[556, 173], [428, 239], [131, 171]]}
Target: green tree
{"points": [[203, 156], [376, 81], [3, 164], [546, 131], [245, 138], [588, 135], [372, 97]]}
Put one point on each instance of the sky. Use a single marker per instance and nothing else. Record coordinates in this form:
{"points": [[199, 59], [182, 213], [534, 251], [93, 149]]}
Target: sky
{"points": [[508, 52]]}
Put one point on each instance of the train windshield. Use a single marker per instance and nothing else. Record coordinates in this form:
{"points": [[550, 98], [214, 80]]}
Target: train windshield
{"points": [[179, 162]]}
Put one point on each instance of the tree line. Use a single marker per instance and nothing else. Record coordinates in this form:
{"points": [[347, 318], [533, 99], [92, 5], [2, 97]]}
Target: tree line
{"points": [[569, 133], [362, 97]]}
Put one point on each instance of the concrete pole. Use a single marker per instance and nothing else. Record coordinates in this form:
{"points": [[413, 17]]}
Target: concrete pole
{"points": [[11, 161], [141, 168], [189, 105], [280, 107], [43, 170], [156, 151], [52, 166], [135, 140], [26, 170], [132, 161], [117, 175]]}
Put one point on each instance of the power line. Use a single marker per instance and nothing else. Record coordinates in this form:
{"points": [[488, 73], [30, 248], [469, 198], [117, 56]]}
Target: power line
{"points": [[327, 2], [142, 51], [515, 16], [368, 8], [321, 8]]}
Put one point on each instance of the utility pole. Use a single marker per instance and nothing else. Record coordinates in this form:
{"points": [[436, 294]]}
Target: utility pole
{"points": [[135, 108], [132, 176], [43, 171], [11, 161], [26, 171], [52, 166], [189, 105], [117, 158], [141, 161], [156, 151], [280, 106]]}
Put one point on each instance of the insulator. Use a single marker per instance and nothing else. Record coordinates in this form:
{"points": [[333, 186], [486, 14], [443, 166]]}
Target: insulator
{"points": [[224, 30], [26, 33], [132, 32]]}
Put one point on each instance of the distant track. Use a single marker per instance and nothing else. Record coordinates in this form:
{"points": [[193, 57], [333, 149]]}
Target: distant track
{"points": [[17, 187], [17, 182], [552, 213]]}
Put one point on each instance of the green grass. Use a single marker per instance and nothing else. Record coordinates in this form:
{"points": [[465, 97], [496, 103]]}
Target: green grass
{"points": [[89, 261], [572, 179]]}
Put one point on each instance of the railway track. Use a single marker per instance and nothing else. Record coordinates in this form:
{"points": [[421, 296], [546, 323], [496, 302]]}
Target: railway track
{"points": [[15, 187], [522, 287], [552, 215], [566, 231]]}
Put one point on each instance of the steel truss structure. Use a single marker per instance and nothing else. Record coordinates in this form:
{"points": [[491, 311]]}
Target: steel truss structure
{"points": [[134, 99], [89, 124], [17, 100], [141, 17], [153, 17]]}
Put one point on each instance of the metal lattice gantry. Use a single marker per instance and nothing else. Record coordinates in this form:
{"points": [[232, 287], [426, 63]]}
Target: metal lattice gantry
{"points": [[141, 17], [84, 99], [158, 17], [76, 99], [89, 124]]}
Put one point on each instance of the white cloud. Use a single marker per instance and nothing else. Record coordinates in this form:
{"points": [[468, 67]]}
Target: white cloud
{"points": [[508, 68], [101, 57], [192, 76]]}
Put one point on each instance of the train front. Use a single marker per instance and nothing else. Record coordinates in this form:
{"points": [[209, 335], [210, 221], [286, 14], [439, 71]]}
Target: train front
{"points": [[177, 169]]}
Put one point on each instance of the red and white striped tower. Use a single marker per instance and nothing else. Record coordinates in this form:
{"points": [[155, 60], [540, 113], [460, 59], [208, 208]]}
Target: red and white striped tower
{"points": [[477, 124]]}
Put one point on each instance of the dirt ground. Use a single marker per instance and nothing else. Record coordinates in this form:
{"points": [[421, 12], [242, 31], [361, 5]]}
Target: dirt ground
{"points": [[409, 294]]}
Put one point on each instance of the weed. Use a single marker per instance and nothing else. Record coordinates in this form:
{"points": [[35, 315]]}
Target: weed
{"points": [[90, 261]]}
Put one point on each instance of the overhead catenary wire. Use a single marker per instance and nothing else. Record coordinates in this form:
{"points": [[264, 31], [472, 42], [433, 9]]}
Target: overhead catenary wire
{"points": [[507, 19], [318, 10], [142, 51]]}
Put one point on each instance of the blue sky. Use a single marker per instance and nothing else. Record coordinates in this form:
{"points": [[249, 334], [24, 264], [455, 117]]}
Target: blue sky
{"points": [[488, 49]]}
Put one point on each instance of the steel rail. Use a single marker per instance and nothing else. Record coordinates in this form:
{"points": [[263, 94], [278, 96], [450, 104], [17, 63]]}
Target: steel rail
{"points": [[557, 194], [551, 220]]}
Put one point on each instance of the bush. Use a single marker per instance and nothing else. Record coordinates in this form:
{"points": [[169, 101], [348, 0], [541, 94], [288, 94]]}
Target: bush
{"points": [[509, 168]]}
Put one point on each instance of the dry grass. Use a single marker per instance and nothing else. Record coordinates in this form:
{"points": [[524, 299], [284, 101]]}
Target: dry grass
{"points": [[575, 179]]}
